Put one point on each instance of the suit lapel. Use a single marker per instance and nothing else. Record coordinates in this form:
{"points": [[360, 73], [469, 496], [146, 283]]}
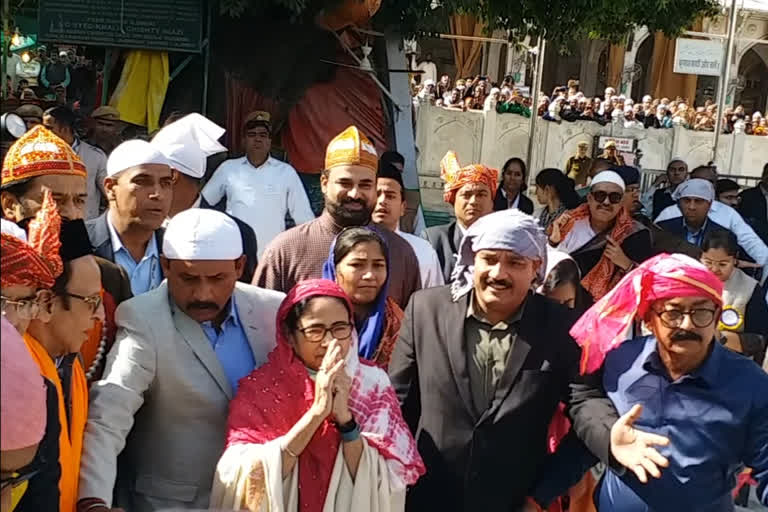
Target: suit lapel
{"points": [[453, 318], [251, 322], [197, 340]]}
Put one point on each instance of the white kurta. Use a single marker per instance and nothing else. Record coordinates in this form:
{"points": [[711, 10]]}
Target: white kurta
{"points": [[249, 477], [429, 264], [260, 196]]}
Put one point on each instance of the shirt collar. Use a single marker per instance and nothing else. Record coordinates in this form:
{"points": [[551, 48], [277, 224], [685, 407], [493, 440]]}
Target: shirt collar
{"points": [[708, 371], [232, 317], [75, 144], [266, 163], [698, 231], [117, 244], [474, 312]]}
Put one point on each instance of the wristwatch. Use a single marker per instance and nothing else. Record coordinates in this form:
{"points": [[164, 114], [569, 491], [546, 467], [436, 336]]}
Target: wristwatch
{"points": [[349, 431]]}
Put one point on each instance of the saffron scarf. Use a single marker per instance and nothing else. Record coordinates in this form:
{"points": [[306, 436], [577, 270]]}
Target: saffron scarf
{"points": [[275, 396], [605, 325], [71, 436], [603, 276], [370, 329]]}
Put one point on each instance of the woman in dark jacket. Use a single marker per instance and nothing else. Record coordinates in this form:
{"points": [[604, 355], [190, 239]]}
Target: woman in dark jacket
{"points": [[510, 193]]}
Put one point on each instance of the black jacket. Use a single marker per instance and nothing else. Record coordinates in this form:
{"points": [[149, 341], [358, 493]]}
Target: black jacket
{"points": [[637, 247], [662, 199], [493, 461], [445, 240], [754, 211], [525, 205], [676, 226]]}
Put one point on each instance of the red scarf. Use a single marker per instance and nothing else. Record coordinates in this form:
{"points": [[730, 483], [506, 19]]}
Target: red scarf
{"points": [[275, 396]]}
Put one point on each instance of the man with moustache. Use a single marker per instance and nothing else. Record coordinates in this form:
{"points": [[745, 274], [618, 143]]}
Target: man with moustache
{"points": [[679, 382], [40, 163], [259, 189], [180, 352], [471, 191], [349, 186], [480, 367], [139, 187]]}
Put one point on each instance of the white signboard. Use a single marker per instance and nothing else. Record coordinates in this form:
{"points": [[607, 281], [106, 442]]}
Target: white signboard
{"points": [[623, 144], [698, 57]]}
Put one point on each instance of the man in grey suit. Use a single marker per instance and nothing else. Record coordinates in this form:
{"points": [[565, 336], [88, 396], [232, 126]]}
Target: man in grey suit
{"points": [[181, 350]]}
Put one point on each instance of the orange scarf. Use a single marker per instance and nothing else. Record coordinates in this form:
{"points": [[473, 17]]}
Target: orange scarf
{"points": [[393, 318], [603, 276], [71, 436]]}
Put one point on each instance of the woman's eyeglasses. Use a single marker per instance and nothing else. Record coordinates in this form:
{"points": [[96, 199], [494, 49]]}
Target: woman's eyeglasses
{"points": [[26, 307], [316, 333], [600, 196], [673, 318], [94, 301]]}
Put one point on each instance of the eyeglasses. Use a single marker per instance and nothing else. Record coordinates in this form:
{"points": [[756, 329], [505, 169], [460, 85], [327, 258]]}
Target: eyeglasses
{"points": [[20, 477], [316, 333], [26, 307], [673, 318], [600, 196], [94, 301]]}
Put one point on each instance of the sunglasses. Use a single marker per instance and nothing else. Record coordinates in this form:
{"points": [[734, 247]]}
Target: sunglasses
{"points": [[600, 196]]}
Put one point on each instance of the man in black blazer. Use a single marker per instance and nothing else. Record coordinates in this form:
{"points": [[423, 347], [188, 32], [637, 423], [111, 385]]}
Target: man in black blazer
{"points": [[754, 206], [471, 190], [480, 367]]}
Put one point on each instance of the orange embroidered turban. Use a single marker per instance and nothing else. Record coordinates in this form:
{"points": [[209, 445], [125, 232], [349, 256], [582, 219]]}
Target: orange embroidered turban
{"points": [[35, 263], [40, 153], [351, 147], [456, 176]]}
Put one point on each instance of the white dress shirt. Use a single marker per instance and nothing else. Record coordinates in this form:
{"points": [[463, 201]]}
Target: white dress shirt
{"points": [[730, 219], [260, 196], [429, 265]]}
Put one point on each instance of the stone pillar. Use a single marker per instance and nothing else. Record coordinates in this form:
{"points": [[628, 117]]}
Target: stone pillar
{"points": [[590, 50], [403, 127]]}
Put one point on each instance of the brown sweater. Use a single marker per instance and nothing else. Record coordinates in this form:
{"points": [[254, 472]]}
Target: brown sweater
{"points": [[299, 254]]}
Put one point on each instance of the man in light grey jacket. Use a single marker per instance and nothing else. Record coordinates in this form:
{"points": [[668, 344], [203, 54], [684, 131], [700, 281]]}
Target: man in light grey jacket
{"points": [[181, 350]]}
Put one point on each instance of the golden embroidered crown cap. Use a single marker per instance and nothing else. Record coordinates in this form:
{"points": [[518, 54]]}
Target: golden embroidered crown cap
{"points": [[40, 153], [351, 147]]}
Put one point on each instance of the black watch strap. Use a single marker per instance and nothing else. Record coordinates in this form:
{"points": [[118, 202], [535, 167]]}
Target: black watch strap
{"points": [[348, 427]]}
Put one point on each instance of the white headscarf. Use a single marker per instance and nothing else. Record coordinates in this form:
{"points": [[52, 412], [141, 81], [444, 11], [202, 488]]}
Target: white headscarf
{"points": [[510, 230], [188, 142]]}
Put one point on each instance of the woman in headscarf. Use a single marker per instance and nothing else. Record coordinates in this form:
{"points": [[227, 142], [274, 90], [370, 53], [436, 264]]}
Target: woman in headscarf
{"points": [[23, 414], [359, 263], [316, 429]]}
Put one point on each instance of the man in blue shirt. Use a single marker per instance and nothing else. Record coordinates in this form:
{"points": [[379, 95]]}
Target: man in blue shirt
{"points": [[139, 187], [681, 383]]}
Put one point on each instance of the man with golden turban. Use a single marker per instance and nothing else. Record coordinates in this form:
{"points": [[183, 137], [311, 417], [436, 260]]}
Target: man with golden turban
{"points": [[40, 161], [349, 186], [681, 383], [471, 190]]}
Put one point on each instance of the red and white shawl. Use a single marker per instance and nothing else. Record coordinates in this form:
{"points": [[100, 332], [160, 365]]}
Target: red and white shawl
{"points": [[275, 396]]}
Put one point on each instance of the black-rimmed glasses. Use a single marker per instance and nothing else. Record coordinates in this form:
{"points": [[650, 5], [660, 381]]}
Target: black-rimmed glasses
{"points": [[316, 333], [673, 318]]}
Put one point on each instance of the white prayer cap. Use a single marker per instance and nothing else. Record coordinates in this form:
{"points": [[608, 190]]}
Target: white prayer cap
{"points": [[202, 234], [647, 98], [695, 187], [188, 142], [608, 177], [10, 228], [133, 153]]}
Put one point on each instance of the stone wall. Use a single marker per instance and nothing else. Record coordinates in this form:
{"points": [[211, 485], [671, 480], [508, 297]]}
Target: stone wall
{"points": [[492, 138]]}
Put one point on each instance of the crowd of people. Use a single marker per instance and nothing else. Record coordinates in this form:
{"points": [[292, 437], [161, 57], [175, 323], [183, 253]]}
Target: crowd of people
{"points": [[169, 343], [568, 103]]}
